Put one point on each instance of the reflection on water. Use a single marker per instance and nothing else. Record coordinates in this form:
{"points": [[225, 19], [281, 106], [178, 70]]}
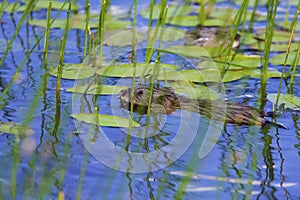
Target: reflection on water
{"points": [[243, 162]]}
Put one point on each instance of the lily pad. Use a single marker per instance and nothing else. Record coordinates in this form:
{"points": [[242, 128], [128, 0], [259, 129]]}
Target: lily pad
{"points": [[56, 5], [242, 60], [183, 20], [196, 51], [170, 34], [247, 39], [198, 76], [192, 21], [126, 70], [97, 89], [104, 120], [121, 38], [180, 10], [278, 36], [74, 71], [279, 59], [212, 75], [275, 47], [78, 22], [289, 100], [288, 25], [194, 91], [16, 129]]}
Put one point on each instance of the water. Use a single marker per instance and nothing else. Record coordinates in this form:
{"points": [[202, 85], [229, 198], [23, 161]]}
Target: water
{"points": [[247, 162]]}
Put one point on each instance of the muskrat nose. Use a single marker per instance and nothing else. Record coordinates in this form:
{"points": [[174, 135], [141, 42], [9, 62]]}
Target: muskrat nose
{"points": [[123, 94]]}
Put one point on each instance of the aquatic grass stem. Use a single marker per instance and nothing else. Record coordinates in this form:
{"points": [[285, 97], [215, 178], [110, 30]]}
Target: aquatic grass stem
{"points": [[251, 22], [87, 30], [272, 9], [232, 34], [3, 4], [47, 34], [293, 27], [28, 9], [151, 40], [26, 58], [294, 69], [133, 60], [101, 30]]}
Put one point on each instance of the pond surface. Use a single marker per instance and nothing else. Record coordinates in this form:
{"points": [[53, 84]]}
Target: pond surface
{"points": [[52, 160]]}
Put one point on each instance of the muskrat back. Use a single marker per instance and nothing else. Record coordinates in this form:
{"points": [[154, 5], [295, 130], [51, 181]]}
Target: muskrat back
{"points": [[166, 101]]}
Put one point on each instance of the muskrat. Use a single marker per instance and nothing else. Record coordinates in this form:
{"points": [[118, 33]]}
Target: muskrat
{"points": [[210, 36], [165, 101]]}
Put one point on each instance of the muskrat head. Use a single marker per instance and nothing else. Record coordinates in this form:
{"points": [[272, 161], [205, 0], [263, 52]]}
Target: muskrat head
{"points": [[141, 95], [164, 100]]}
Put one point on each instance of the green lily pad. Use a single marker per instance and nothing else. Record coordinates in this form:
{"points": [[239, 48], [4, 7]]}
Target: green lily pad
{"points": [[196, 51], [126, 70], [275, 47], [74, 71], [97, 89], [104, 120], [183, 20], [247, 39], [194, 91], [16, 129], [56, 5], [193, 20], [288, 26], [78, 22], [180, 10], [212, 75], [289, 100], [279, 59], [198, 76], [121, 38], [170, 34], [230, 13], [242, 60], [124, 38], [278, 36]]}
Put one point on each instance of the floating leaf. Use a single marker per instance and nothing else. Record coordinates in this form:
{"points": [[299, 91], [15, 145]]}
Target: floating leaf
{"points": [[193, 21], [228, 14], [56, 5], [126, 70], [170, 34], [247, 39], [16, 129], [278, 36], [183, 21], [288, 25], [104, 120], [78, 22], [121, 38], [275, 47], [280, 58], [196, 51], [97, 89], [74, 71], [198, 76], [212, 75], [289, 100], [242, 60], [179, 10], [194, 91]]}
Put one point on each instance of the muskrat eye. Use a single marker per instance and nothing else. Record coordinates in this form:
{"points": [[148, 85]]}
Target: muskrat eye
{"points": [[141, 92]]}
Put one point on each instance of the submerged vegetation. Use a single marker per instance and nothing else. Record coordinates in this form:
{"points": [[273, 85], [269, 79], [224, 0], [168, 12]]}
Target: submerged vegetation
{"points": [[115, 52]]}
